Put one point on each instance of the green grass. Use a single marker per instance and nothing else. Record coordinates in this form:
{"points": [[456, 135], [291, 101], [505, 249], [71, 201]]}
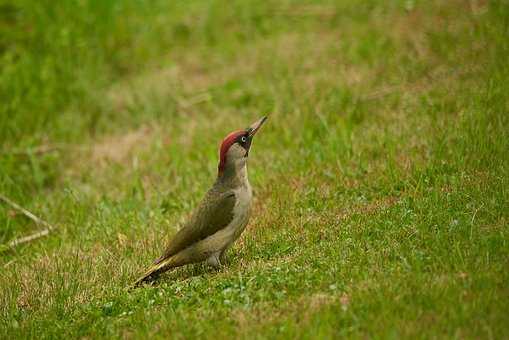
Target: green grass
{"points": [[381, 178]]}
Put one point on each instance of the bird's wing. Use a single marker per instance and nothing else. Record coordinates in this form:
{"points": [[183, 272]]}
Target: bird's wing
{"points": [[213, 214]]}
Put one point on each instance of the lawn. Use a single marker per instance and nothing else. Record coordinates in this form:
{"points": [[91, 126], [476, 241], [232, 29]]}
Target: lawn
{"points": [[381, 179]]}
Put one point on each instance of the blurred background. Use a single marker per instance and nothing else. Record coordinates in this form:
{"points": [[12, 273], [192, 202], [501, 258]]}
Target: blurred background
{"points": [[386, 148]]}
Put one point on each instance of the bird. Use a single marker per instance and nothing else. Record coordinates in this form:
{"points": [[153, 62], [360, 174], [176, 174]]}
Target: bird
{"points": [[220, 217]]}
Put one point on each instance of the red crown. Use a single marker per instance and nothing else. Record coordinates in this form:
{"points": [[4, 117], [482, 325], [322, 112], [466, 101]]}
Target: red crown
{"points": [[225, 146]]}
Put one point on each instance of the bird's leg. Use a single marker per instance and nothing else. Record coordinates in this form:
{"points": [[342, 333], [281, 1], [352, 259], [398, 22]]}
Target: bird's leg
{"points": [[208, 249], [214, 260], [222, 256]]}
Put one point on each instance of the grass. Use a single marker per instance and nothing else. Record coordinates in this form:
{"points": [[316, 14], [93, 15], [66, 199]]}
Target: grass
{"points": [[381, 179]]}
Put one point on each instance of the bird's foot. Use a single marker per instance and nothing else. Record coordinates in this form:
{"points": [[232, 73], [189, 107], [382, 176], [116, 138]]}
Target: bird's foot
{"points": [[214, 261]]}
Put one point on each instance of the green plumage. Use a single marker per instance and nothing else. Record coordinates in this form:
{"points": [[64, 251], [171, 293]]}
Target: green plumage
{"points": [[214, 213], [221, 216]]}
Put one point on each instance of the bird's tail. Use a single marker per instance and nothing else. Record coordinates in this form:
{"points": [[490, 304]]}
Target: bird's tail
{"points": [[153, 272]]}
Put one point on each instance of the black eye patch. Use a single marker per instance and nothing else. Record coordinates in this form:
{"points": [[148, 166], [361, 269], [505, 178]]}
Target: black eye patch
{"points": [[244, 141]]}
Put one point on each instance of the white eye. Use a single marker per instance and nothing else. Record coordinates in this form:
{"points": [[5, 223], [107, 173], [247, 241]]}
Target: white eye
{"points": [[243, 139]]}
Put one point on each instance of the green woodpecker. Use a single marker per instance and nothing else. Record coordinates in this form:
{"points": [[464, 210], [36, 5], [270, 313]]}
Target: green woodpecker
{"points": [[221, 216]]}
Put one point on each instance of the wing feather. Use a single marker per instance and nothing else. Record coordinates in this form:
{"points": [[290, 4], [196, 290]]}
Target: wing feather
{"points": [[214, 213]]}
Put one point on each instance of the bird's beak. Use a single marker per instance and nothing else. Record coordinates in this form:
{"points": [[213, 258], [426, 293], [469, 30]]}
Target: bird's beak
{"points": [[255, 126]]}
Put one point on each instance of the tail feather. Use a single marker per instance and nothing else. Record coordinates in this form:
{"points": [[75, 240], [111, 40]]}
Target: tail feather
{"points": [[153, 272]]}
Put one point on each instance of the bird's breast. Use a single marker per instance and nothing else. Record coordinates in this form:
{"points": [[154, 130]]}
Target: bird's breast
{"points": [[241, 210]]}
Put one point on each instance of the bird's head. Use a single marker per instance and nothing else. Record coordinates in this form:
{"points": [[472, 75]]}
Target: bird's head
{"points": [[235, 146]]}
